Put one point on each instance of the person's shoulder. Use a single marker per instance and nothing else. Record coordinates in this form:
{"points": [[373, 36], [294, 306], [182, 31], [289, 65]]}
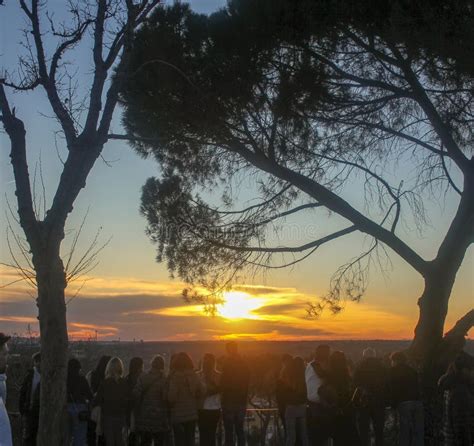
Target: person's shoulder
{"points": [[83, 380]]}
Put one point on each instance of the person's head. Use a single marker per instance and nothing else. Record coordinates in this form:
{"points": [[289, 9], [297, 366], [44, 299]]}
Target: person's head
{"points": [[183, 362], [232, 348], [135, 366], [398, 358], [298, 366], [3, 342], [208, 363], [338, 362], [73, 367], [3, 352], [102, 365], [157, 363], [369, 352], [36, 358], [321, 354], [286, 359], [114, 369], [463, 366]]}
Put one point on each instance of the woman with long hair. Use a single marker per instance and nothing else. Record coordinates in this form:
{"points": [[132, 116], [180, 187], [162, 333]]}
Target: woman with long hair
{"points": [[340, 382], [113, 398], [183, 395], [293, 378], [95, 378], [135, 369], [210, 411], [151, 409], [79, 396]]}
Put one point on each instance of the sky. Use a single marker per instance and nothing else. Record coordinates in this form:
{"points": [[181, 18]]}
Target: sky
{"points": [[129, 296]]}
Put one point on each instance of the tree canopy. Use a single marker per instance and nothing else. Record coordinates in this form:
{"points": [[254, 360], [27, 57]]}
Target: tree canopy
{"points": [[307, 97]]}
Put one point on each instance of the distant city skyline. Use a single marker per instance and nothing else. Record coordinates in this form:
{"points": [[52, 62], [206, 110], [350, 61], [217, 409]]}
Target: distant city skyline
{"points": [[130, 296]]}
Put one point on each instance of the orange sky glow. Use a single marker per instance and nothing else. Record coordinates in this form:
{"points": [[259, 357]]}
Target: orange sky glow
{"points": [[113, 308]]}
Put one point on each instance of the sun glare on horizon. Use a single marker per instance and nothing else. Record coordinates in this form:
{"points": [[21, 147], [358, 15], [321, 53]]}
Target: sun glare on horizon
{"points": [[239, 305]]}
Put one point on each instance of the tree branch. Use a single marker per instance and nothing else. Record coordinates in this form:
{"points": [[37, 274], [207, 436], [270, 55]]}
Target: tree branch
{"points": [[100, 71], [461, 328], [22, 86], [441, 129], [337, 204], [64, 46], [284, 249], [60, 111], [16, 132]]}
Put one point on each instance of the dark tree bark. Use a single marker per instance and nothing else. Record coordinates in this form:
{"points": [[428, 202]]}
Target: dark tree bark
{"points": [[325, 104], [51, 283], [45, 235], [441, 275]]}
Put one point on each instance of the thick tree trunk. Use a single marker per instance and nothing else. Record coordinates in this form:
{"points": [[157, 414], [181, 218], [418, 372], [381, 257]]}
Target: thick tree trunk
{"points": [[433, 307], [433, 351], [54, 346]]}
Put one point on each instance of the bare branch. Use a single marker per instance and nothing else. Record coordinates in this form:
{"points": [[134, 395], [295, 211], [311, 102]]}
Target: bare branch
{"points": [[441, 129], [305, 247], [461, 328], [69, 43], [335, 203], [16, 132]]}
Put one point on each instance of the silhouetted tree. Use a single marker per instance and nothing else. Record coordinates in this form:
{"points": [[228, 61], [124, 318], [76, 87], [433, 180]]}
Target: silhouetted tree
{"points": [[308, 98], [111, 25]]}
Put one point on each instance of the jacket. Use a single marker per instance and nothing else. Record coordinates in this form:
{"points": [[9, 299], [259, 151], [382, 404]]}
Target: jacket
{"points": [[403, 384], [151, 408], [78, 390], [184, 393], [371, 376], [458, 411], [113, 397], [235, 382], [28, 404]]}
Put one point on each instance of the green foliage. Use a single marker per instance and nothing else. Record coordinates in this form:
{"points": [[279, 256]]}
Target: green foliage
{"points": [[326, 91]]}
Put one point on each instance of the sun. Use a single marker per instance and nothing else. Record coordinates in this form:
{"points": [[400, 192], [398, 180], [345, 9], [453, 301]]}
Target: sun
{"points": [[239, 305]]}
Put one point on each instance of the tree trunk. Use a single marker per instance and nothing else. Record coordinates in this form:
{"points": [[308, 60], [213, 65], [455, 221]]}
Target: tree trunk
{"points": [[430, 349], [54, 347], [433, 307]]}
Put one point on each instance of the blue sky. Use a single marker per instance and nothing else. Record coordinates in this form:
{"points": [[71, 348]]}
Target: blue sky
{"points": [[111, 199]]}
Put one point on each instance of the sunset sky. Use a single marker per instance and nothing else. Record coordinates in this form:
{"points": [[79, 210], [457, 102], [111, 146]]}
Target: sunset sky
{"points": [[128, 295]]}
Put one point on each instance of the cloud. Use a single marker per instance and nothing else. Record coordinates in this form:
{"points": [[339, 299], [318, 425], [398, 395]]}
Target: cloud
{"points": [[130, 308], [92, 326], [20, 319]]}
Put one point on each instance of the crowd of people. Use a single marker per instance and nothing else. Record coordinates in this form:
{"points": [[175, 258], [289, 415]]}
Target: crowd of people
{"points": [[326, 399]]}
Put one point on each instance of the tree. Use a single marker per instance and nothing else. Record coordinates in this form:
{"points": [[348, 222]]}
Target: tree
{"points": [[112, 24], [311, 96]]}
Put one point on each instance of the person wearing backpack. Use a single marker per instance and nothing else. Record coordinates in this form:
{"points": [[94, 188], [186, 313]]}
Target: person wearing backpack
{"points": [[294, 386], [405, 398], [370, 380], [151, 409], [344, 430], [184, 393]]}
